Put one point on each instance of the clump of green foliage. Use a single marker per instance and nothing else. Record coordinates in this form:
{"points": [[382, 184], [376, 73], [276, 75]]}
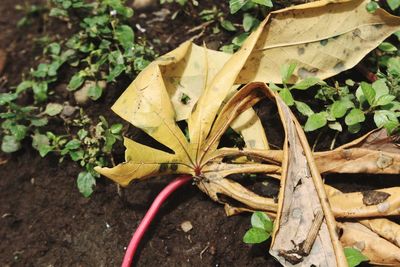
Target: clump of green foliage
{"points": [[251, 11], [90, 146], [351, 104], [103, 48]]}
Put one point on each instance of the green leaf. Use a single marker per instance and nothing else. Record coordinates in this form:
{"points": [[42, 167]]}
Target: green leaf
{"points": [[53, 109], [392, 126], [239, 40], [267, 3], [335, 126], [116, 128], [76, 155], [115, 72], [372, 6], [381, 117], [350, 82], [385, 99], [229, 49], [249, 22], [303, 108], [120, 8], [54, 48], [66, 4], [368, 92], [354, 256], [95, 92], [287, 71], [255, 236], [307, 83], [261, 220], [41, 143], [39, 122], [380, 88], [53, 68], [10, 144], [387, 47], [339, 108], [286, 96], [228, 25], [274, 87], [315, 121], [393, 66], [73, 144], [236, 5], [58, 12], [110, 140], [76, 81], [355, 116], [24, 86], [360, 95], [393, 4], [125, 36], [7, 97], [41, 71], [355, 128], [82, 133], [18, 131], [397, 35], [85, 183], [40, 91]]}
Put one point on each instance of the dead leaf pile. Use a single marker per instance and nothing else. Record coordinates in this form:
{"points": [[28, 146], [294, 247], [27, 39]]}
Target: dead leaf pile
{"points": [[204, 87]]}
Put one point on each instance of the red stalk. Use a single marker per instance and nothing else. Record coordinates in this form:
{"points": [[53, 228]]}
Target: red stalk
{"points": [[148, 218]]}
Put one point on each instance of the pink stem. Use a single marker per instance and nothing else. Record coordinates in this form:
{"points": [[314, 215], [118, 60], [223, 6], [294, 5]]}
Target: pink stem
{"points": [[148, 218]]}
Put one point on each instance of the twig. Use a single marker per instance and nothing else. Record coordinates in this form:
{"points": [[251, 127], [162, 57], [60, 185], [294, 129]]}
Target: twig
{"points": [[204, 250], [316, 141], [312, 234], [334, 141], [200, 27]]}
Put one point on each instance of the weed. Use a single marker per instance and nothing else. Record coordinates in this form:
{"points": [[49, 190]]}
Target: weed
{"points": [[350, 104], [261, 229], [354, 256], [91, 146]]}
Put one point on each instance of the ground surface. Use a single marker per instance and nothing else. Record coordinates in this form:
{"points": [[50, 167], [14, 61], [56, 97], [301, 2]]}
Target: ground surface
{"points": [[45, 221]]}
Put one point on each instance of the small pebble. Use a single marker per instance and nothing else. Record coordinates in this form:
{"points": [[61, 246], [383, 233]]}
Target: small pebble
{"points": [[186, 226]]}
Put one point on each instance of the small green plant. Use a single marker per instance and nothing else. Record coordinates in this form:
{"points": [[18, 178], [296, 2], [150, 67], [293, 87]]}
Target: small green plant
{"points": [[30, 11], [244, 5], [350, 104], [17, 122], [354, 256], [261, 228], [252, 12], [105, 46], [91, 146]]}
